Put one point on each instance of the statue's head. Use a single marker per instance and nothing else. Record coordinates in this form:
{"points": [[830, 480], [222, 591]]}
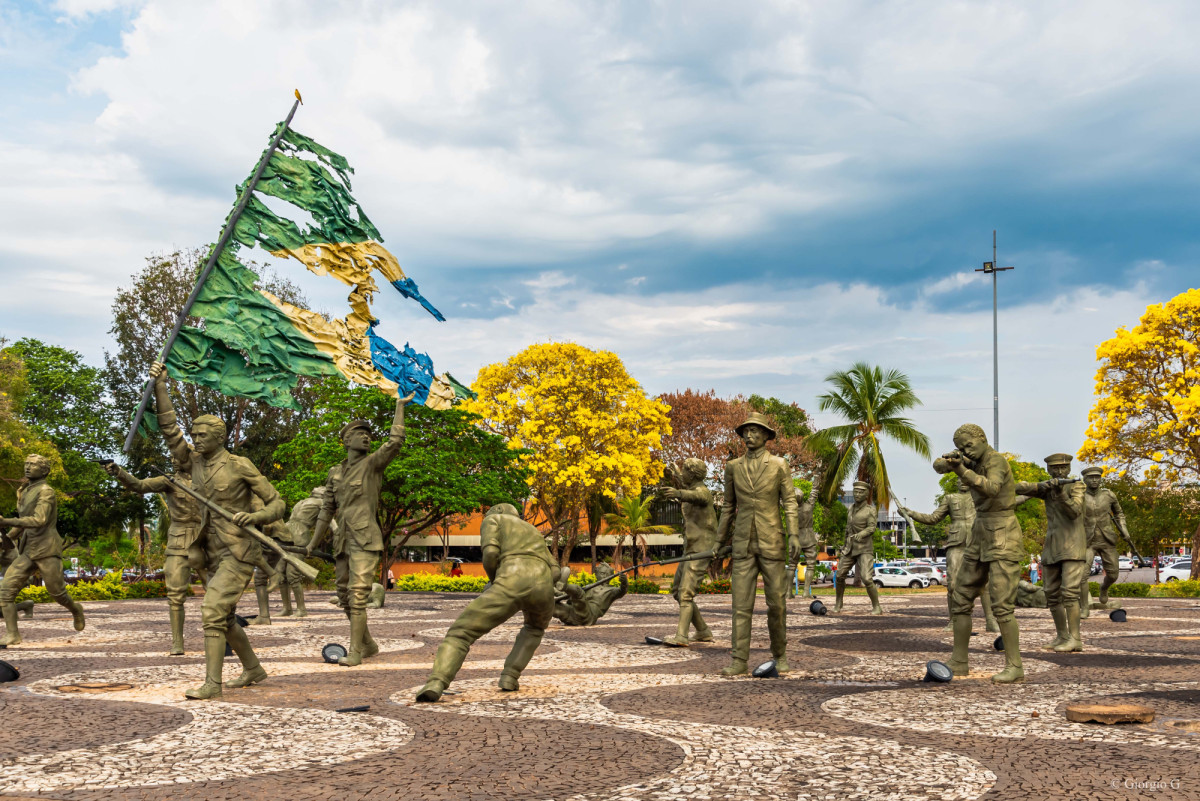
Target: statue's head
{"points": [[862, 491], [970, 439], [1092, 476], [356, 435], [208, 434], [1058, 465], [695, 469], [756, 431], [603, 571], [36, 466], [181, 463], [319, 491], [503, 509]]}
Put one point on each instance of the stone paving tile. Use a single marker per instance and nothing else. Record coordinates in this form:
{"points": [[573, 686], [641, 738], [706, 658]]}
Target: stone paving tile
{"points": [[600, 714]]}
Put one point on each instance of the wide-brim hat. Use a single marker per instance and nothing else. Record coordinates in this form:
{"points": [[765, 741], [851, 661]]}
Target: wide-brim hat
{"points": [[1058, 458], [758, 420], [1091, 471]]}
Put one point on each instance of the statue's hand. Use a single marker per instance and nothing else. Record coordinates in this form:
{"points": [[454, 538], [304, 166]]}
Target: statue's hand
{"points": [[158, 371], [113, 469], [671, 494], [793, 552], [405, 400], [243, 519]]}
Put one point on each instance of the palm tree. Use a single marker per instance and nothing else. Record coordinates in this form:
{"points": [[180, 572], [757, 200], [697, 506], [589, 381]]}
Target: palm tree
{"points": [[871, 400], [632, 519]]}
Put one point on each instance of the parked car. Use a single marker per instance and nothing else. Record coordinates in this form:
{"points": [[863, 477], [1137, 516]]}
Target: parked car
{"points": [[932, 572], [1124, 563], [899, 577], [1180, 571]]}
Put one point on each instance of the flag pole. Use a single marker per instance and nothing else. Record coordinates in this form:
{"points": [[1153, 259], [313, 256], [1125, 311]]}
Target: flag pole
{"points": [[226, 233]]}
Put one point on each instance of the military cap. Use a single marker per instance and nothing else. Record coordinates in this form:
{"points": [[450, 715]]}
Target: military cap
{"points": [[862, 484], [1091, 471], [1058, 458], [757, 419], [352, 425]]}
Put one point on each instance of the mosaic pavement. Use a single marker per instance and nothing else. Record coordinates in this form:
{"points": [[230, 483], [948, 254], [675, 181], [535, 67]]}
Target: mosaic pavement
{"points": [[600, 715]]}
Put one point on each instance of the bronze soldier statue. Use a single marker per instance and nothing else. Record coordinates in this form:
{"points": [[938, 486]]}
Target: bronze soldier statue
{"points": [[961, 510], [806, 541], [300, 524], [993, 554], [1064, 551], [522, 573], [231, 553], [756, 486], [8, 555], [1100, 511], [353, 496], [859, 550], [184, 553], [699, 534], [39, 547], [269, 572], [575, 606]]}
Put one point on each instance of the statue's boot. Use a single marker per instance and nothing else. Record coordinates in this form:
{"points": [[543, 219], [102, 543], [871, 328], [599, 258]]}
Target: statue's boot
{"points": [[873, 593], [985, 600], [358, 627], [1085, 600], [370, 647], [1072, 642], [274, 576], [300, 610], [75, 608], [1104, 592], [285, 593], [736, 668], [12, 636], [680, 638], [252, 671], [958, 664], [176, 613], [703, 632], [509, 683], [781, 664], [837, 604], [214, 663], [1059, 613], [264, 607], [808, 577], [527, 642], [26, 608], [1014, 670], [432, 690]]}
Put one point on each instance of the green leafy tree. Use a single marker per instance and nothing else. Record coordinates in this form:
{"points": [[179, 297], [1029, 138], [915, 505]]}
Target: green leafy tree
{"points": [[448, 465], [829, 520], [871, 401], [1160, 516], [632, 519], [66, 404], [17, 439]]}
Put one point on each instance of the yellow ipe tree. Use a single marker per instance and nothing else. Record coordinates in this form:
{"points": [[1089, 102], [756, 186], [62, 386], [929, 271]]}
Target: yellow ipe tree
{"points": [[588, 426], [1147, 408]]}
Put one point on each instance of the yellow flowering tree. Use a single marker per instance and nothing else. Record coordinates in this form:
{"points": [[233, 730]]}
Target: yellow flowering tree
{"points": [[589, 428], [1147, 408]]}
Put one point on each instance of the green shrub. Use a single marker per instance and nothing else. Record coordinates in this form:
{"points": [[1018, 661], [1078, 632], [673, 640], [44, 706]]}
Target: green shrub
{"points": [[1180, 589], [1130, 589], [109, 588], [643, 586], [1094, 589], [433, 582], [718, 587]]}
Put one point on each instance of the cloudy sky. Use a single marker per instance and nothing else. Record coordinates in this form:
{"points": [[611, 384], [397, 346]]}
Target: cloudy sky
{"points": [[743, 196]]}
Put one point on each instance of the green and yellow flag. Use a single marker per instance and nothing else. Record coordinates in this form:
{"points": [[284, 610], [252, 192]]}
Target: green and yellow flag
{"points": [[254, 344]]}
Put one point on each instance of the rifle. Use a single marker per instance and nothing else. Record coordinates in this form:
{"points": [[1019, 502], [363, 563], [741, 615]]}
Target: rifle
{"points": [[328, 557], [899, 505], [307, 570], [650, 563]]}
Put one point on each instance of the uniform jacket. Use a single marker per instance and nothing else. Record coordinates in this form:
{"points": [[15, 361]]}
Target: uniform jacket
{"points": [[1099, 509], [699, 519], [183, 508], [860, 530], [960, 508], [514, 538], [352, 499], [996, 535], [1065, 535], [37, 517], [756, 492]]}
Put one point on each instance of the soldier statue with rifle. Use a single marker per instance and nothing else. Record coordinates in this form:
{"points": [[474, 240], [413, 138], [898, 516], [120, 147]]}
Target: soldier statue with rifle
{"points": [[806, 540], [226, 483], [39, 547], [1103, 518], [184, 552], [352, 498], [858, 552]]}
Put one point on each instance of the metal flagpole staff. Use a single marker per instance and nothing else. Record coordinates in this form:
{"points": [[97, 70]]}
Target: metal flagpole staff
{"points": [[226, 233], [989, 267]]}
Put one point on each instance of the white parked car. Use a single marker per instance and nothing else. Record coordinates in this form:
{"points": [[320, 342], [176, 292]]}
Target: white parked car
{"points": [[1124, 563], [934, 573], [899, 577], [1180, 571]]}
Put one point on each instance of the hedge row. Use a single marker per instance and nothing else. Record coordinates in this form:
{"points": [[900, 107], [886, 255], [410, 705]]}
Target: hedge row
{"points": [[436, 582], [109, 588]]}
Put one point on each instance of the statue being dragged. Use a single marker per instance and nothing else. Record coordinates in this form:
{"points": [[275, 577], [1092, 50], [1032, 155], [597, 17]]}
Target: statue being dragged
{"points": [[575, 606]]}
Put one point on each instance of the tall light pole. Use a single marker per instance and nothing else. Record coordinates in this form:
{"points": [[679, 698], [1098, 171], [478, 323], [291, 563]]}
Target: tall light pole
{"points": [[990, 267]]}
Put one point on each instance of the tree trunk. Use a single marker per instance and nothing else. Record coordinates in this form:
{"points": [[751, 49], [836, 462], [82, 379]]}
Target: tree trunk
{"points": [[1195, 552]]}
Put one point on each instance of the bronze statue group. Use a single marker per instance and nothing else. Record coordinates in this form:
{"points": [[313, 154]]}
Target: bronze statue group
{"points": [[218, 502]]}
